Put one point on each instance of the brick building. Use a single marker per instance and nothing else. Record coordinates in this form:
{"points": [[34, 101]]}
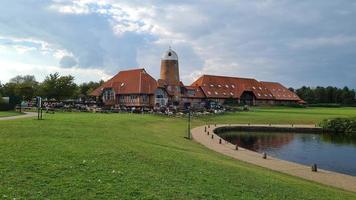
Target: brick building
{"points": [[136, 88]]}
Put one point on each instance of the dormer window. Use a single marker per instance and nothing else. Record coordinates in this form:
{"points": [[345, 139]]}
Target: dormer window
{"points": [[191, 92], [169, 54]]}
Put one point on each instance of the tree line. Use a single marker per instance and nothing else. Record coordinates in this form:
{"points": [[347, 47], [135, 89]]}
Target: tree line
{"points": [[327, 95], [56, 87]]}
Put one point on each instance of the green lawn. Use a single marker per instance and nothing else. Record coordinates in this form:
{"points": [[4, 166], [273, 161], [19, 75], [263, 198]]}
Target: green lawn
{"points": [[127, 156], [8, 113], [282, 115]]}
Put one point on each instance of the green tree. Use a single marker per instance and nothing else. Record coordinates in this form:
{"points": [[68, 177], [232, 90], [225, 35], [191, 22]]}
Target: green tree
{"points": [[327, 95], [58, 87], [86, 88], [24, 87]]}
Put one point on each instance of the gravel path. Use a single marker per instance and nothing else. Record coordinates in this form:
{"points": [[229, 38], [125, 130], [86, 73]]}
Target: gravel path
{"points": [[26, 115]]}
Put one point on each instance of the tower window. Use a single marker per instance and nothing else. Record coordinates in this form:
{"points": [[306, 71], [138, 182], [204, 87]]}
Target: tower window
{"points": [[169, 54]]}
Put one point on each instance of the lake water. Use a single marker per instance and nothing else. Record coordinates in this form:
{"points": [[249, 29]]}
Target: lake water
{"points": [[334, 153]]}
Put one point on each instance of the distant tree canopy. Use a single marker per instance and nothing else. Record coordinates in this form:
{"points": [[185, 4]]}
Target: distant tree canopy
{"points": [[86, 88], [324, 95], [58, 87], [53, 87], [23, 87]]}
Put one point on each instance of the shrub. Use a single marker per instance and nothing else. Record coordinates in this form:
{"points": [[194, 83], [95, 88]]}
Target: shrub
{"points": [[340, 126]]}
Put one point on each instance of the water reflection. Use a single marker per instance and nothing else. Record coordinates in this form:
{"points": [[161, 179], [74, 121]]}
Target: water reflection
{"points": [[260, 141], [336, 153]]}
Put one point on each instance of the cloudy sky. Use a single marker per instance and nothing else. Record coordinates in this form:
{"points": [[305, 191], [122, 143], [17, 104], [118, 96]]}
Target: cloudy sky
{"points": [[294, 42]]}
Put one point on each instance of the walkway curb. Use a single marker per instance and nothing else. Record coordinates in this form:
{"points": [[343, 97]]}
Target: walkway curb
{"points": [[334, 179]]}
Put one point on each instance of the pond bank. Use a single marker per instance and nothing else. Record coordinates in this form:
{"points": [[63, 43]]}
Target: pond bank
{"points": [[325, 177], [271, 128]]}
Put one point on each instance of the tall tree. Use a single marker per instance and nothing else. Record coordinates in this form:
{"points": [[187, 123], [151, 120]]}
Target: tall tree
{"points": [[86, 88], [21, 87], [58, 87], [329, 94]]}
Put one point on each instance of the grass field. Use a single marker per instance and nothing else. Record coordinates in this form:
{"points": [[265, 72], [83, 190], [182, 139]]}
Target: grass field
{"points": [[126, 156], [8, 113], [281, 115]]}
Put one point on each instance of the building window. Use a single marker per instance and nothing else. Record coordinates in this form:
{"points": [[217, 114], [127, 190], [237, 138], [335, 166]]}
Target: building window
{"points": [[145, 98], [191, 92]]}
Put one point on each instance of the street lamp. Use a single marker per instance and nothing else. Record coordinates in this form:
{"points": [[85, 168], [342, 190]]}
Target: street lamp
{"points": [[189, 124], [39, 108]]}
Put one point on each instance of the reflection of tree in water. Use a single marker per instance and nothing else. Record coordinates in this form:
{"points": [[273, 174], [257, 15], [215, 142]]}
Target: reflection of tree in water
{"points": [[258, 141], [339, 139]]}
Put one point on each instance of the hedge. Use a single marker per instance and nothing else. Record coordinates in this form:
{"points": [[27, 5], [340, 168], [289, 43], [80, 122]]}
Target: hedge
{"points": [[340, 125]]}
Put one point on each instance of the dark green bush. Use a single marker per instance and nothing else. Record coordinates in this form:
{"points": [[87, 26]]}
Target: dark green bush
{"points": [[6, 107], [339, 126]]}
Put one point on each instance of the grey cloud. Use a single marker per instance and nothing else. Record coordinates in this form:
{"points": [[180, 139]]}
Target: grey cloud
{"points": [[67, 62]]}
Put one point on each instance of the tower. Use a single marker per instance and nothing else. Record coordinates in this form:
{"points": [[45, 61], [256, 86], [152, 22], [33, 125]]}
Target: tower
{"points": [[170, 73]]}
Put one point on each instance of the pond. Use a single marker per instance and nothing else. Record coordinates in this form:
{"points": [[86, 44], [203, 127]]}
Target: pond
{"points": [[333, 153]]}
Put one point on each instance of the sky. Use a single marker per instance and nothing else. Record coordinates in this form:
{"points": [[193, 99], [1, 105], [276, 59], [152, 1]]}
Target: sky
{"points": [[293, 42]]}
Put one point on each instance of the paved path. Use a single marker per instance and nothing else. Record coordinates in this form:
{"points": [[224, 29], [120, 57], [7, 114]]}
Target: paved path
{"points": [[26, 115], [334, 179]]}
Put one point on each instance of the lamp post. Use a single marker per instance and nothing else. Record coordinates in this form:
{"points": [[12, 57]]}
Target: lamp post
{"points": [[39, 108], [189, 124]]}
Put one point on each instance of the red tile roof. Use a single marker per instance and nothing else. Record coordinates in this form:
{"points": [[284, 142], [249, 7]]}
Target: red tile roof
{"points": [[227, 87], [280, 92], [136, 81]]}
